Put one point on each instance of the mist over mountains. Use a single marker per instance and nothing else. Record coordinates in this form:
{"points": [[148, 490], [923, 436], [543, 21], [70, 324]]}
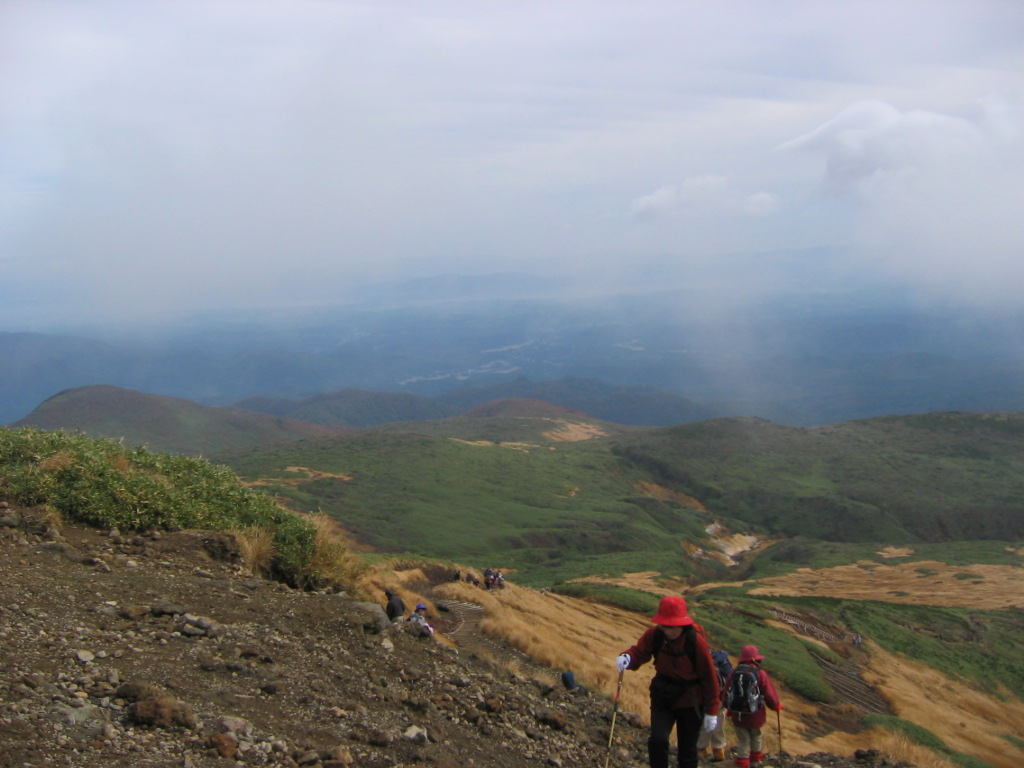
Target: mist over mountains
{"points": [[641, 357]]}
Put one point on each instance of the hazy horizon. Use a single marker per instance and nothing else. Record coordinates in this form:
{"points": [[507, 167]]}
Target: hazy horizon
{"points": [[165, 160]]}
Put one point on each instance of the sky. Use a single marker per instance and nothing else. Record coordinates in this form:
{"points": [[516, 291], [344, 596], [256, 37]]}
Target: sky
{"points": [[162, 158]]}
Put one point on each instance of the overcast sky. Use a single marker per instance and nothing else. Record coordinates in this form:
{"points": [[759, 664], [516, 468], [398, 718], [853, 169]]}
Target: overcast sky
{"points": [[159, 157]]}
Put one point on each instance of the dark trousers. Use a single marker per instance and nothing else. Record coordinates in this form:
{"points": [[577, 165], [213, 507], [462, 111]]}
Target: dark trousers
{"points": [[687, 722]]}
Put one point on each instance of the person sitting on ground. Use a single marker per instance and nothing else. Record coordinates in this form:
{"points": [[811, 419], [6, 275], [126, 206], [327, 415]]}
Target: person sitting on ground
{"points": [[747, 704], [419, 619], [396, 606]]}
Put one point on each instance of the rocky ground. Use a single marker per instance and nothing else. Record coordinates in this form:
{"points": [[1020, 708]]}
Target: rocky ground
{"points": [[161, 650]]}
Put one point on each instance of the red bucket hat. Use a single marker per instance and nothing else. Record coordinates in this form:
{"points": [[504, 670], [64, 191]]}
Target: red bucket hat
{"points": [[672, 613], [749, 653]]}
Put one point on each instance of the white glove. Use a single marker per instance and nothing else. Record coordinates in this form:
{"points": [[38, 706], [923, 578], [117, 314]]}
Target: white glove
{"points": [[622, 662], [710, 723]]}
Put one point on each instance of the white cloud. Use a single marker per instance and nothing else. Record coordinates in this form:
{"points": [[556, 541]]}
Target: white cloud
{"points": [[938, 196], [661, 202], [280, 149], [703, 195], [762, 204]]}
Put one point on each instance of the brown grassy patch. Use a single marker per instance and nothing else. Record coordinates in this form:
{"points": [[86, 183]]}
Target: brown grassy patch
{"points": [[644, 581], [895, 552], [572, 432], [58, 461], [655, 491], [256, 546], [899, 748], [308, 475], [966, 719], [524, 447], [333, 564], [922, 582]]}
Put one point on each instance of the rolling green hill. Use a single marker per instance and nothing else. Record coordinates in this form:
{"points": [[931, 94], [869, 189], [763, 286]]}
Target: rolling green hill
{"points": [[929, 477], [537, 507], [553, 492], [515, 420], [164, 423], [631, 500], [353, 408]]}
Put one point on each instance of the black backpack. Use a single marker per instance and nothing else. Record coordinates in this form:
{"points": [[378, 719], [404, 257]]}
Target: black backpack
{"points": [[744, 695]]}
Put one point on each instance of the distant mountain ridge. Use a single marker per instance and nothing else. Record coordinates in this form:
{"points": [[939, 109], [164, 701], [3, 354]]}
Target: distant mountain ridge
{"points": [[176, 425], [353, 408], [165, 423], [667, 355]]}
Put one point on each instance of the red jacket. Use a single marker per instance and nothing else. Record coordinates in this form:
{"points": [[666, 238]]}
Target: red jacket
{"points": [[768, 694], [674, 663]]}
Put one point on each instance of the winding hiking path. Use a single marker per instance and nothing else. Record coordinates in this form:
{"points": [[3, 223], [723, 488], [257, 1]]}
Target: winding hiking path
{"points": [[462, 625]]}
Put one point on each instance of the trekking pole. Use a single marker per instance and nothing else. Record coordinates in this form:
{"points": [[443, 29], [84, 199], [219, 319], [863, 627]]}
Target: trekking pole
{"points": [[778, 719], [615, 711]]}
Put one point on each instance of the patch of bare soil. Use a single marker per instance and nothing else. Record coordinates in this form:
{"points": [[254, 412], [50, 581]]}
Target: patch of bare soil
{"points": [[161, 650]]}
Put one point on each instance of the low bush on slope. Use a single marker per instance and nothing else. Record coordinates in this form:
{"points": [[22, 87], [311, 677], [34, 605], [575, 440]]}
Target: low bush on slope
{"points": [[108, 485]]}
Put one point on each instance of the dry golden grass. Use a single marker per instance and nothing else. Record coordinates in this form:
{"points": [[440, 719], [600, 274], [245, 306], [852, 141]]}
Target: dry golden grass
{"points": [[58, 461], [571, 432], [334, 563], [295, 482], [256, 546], [928, 582], [899, 748], [966, 719]]}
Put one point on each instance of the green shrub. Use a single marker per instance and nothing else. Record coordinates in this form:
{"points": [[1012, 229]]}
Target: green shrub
{"points": [[103, 483]]}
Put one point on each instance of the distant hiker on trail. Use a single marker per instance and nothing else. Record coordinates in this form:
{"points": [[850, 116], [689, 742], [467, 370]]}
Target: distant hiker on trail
{"points": [[684, 691], [419, 620], [748, 692], [396, 607], [716, 738], [489, 578]]}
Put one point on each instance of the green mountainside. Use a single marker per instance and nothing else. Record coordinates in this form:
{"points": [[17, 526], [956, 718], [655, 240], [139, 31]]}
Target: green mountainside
{"points": [[929, 477], [612, 504], [164, 423], [353, 408], [644, 407], [555, 493]]}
